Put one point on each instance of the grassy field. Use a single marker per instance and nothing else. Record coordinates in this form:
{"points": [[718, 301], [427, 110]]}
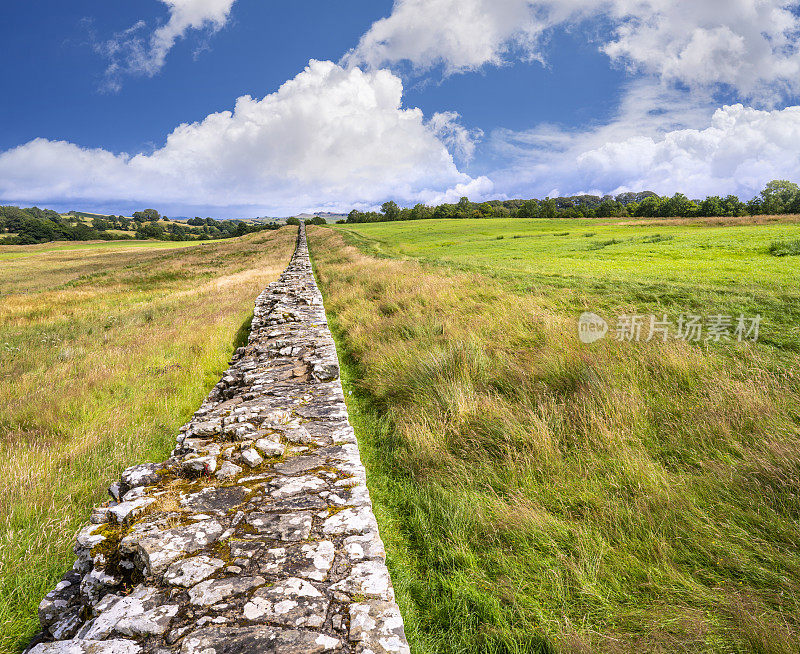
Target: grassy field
{"points": [[105, 350], [22, 251], [704, 266], [720, 253], [541, 495]]}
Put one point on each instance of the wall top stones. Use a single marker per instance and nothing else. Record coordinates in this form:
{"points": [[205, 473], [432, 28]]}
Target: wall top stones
{"points": [[257, 536]]}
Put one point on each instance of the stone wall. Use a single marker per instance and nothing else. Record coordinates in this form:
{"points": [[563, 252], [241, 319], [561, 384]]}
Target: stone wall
{"points": [[257, 535]]}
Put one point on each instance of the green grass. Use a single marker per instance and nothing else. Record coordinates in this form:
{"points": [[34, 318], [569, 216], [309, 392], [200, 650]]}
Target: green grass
{"points": [[621, 268], [540, 495], [700, 256], [785, 248], [105, 350]]}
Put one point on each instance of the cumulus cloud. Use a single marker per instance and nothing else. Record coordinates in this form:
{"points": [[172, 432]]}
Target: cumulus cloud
{"points": [[749, 45], [460, 34], [735, 149], [666, 136], [133, 51], [739, 152], [459, 139], [329, 138]]}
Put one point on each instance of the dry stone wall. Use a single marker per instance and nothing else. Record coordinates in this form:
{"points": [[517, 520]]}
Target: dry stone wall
{"points": [[257, 535]]}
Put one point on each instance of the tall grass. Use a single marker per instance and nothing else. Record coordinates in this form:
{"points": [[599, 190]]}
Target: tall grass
{"points": [[539, 495], [104, 353], [785, 248]]}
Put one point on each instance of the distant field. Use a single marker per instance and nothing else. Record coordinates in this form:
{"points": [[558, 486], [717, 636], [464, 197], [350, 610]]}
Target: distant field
{"points": [[704, 256], [16, 251], [105, 350], [537, 494], [618, 266]]}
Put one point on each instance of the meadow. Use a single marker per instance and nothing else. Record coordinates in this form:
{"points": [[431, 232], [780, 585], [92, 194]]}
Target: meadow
{"points": [[105, 350], [539, 494], [27, 251]]}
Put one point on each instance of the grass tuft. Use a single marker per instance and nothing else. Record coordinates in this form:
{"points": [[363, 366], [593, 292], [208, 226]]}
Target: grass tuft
{"points": [[785, 248]]}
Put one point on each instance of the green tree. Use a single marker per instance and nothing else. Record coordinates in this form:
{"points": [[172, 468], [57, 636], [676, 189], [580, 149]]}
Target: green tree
{"points": [[390, 210], [778, 195], [733, 206], [529, 209], [445, 211], [82, 232], [711, 206], [148, 215], [150, 230], [755, 206], [794, 205], [178, 231], [36, 230], [464, 208], [548, 208], [13, 218], [486, 209], [421, 212], [651, 207], [680, 206], [610, 209]]}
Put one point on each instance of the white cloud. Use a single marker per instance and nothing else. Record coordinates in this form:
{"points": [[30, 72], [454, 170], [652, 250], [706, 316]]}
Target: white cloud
{"points": [[329, 138], [460, 34], [739, 152], [460, 140], [750, 45], [734, 149], [132, 52]]}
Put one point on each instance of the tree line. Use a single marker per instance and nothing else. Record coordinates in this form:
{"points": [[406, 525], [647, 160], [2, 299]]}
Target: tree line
{"points": [[35, 225], [778, 197], [315, 220]]}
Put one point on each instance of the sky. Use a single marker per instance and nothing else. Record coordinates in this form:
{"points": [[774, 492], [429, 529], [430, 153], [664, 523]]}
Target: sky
{"points": [[243, 108]]}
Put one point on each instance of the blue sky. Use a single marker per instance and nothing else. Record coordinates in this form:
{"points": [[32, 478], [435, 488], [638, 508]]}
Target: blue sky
{"points": [[246, 107], [57, 77]]}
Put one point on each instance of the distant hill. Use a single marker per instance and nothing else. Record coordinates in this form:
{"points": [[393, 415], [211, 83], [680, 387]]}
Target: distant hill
{"points": [[20, 226], [328, 216]]}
